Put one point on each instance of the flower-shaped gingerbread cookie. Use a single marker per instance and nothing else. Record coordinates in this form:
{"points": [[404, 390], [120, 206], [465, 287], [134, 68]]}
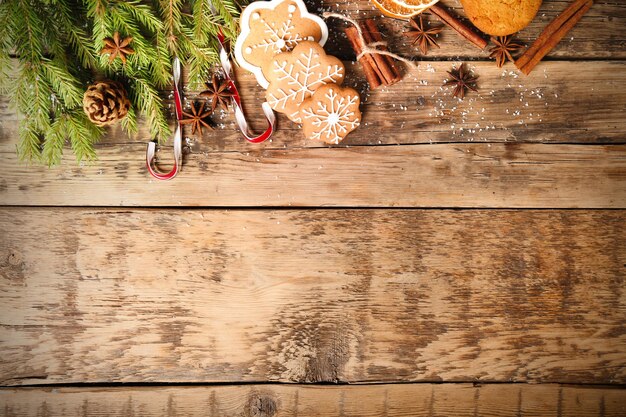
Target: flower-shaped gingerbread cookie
{"points": [[294, 76], [272, 27], [331, 113]]}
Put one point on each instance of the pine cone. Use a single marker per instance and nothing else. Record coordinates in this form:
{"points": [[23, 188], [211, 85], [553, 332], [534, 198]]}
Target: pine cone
{"points": [[105, 102]]}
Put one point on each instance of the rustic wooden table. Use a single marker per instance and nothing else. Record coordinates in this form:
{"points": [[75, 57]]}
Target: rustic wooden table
{"points": [[450, 258]]}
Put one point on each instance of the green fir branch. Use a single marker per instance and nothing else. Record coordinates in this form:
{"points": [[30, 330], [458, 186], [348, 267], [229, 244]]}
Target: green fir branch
{"points": [[5, 47], [27, 29], [202, 26], [142, 14], [82, 135], [129, 123], [150, 104], [31, 95], [171, 15], [161, 68], [29, 146], [228, 13], [55, 139], [58, 44], [74, 34], [65, 85]]}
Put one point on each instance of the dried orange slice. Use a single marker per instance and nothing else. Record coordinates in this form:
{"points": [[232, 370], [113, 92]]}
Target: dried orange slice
{"points": [[393, 9], [415, 4]]}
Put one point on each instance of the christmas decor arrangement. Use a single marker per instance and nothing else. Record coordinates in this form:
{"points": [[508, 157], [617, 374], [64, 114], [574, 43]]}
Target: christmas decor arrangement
{"points": [[281, 43], [81, 66], [62, 46], [105, 102], [500, 18]]}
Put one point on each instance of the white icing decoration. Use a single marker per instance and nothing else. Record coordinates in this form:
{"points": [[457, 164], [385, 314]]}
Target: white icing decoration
{"points": [[291, 8], [248, 50], [277, 33], [334, 122], [279, 37], [303, 78]]}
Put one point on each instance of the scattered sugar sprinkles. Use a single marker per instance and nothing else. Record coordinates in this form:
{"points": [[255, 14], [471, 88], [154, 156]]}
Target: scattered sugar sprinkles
{"points": [[495, 112]]}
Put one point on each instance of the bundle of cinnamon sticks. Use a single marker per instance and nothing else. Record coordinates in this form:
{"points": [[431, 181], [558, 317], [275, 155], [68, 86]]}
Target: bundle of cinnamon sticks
{"points": [[379, 69]]}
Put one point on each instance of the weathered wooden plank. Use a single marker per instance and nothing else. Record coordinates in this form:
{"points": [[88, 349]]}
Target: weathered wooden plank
{"points": [[556, 104], [415, 400], [599, 34], [461, 175], [309, 296]]}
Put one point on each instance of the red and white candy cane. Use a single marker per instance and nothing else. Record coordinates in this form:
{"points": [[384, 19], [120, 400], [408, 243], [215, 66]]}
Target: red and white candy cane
{"points": [[240, 117], [178, 134]]}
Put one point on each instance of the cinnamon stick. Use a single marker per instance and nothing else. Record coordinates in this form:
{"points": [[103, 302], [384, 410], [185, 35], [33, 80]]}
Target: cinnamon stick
{"points": [[379, 69], [366, 61], [462, 29], [369, 28], [380, 63], [552, 35]]}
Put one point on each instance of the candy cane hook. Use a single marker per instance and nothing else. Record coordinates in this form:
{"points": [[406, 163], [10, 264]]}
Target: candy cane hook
{"points": [[240, 117]]}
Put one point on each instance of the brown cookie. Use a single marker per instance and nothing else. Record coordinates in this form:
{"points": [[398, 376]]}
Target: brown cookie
{"points": [[295, 75], [331, 113], [501, 17], [272, 27]]}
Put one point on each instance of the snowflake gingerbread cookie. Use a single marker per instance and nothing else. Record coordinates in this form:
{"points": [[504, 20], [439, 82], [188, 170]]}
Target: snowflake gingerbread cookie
{"points": [[294, 76], [331, 113], [271, 27]]}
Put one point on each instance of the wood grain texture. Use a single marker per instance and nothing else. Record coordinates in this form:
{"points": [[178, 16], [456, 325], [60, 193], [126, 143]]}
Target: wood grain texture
{"points": [[562, 102], [414, 400], [312, 296], [223, 170], [598, 35], [462, 175]]}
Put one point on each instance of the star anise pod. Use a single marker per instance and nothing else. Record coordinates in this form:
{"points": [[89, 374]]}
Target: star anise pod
{"points": [[218, 91], [116, 46], [196, 118], [503, 49], [422, 35], [463, 80]]}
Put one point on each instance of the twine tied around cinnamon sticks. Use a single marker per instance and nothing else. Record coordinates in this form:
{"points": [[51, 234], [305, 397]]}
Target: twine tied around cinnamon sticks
{"points": [[368, 48], [371, 51]]}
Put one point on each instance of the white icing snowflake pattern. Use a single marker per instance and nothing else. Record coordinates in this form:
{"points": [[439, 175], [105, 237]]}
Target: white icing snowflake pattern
{"points": [[300, 79], [332, 118], [280, 36], [271, 27]]}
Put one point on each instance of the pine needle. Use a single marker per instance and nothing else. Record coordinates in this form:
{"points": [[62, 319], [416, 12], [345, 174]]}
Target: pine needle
{"points": [[58, 44]]}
